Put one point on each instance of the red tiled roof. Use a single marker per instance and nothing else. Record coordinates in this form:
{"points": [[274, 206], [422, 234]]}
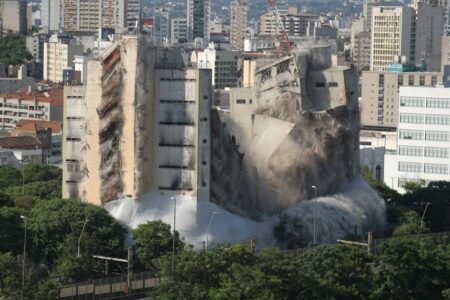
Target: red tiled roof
{"points": [[55, 95], [20, 142], [26, 125]]}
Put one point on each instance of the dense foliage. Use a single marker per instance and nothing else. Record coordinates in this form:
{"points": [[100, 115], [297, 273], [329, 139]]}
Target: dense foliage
{"points": [[408, 268], [31, 197], [13, 50]]}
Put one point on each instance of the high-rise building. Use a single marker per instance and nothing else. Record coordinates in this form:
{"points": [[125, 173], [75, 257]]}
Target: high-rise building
{"points": [[423, 137], [198, 19], [379, 105], [161, 25], [393, 34], [178, 31], [14, 16], [158, 122], [51, 15], [361, 51], [94, 15], [295, 22], [59, 55], [238, 23], [367, 12]]}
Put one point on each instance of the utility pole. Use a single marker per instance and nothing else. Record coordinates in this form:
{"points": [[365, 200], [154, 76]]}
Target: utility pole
{"points": [[174, 228], [128, 261], [207, 230], [81, 234], [24, 254], [423, 215], [315, 216]]}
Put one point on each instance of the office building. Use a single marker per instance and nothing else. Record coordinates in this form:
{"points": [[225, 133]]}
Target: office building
{"points": [[238, 24], [295, 22], [178, 31], [59, 55], [14, 16], [393, 29], [198, 19], [379, 105], [367, 12], [51, 15], [360, 52], [161, 25], [423, 138]]}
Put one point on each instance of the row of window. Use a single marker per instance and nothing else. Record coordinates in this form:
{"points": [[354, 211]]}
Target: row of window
{"points": [[418, 167], [420, 102], [419, 151], [430, 135], [429, 119]]}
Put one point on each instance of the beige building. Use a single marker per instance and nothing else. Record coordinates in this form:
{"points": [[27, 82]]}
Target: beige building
{"points": [[238, 24], [153, 137], [14, 15], [379, 105], [59, 55], [445, 52], [392, 35], [295, 22]]}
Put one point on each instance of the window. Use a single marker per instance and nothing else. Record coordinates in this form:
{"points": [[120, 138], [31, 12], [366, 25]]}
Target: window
{"points": [[438, 119], [320, 84], [436, 169], [410, 150], [400, 80], [240, 101], [333, 84], [412, 102], [436, 152], [438, 102], [411, 80], [411, 134], [409, 167], [411, 118], [441, 136], [378, 173]]}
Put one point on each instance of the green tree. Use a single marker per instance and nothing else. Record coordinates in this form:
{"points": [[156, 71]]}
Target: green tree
{"points": [[9, 177], [13, 50], [413, 186], [5, 200], [196, 272], [410, 224], [52, 222], [288, 232], [10, 283], [413, 269], [153, 240], [11, 230]]}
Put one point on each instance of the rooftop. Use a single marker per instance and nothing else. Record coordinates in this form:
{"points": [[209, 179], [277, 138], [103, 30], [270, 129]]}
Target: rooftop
{"points": [[53, 95], [26, 125], [20, 142]]}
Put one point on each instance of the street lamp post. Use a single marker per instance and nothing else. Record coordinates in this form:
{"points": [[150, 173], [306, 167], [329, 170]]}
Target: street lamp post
{"points": [[207, 230], [24, 253], [423, 215], [315, 215], [174, 228], [79, 238]]}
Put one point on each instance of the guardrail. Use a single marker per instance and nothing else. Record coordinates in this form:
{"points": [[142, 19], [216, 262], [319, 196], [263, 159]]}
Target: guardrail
{"points": [[110, 287]]}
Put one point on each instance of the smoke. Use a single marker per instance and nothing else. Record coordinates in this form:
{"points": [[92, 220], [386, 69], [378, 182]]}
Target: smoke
{"points": [[356, 204]]}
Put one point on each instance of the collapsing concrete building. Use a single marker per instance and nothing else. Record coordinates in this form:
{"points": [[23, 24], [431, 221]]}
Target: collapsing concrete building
{"points": [[294, 125], [144, 126]]}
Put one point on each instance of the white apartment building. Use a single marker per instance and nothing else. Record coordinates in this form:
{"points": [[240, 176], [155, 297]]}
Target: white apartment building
{"points": [[392, 28], [295, 22], [238, 24], [59, 55], [423, 137], [30, 105]]}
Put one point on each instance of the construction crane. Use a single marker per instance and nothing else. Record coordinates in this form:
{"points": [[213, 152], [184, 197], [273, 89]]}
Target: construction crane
{"points": [[281, 38]]}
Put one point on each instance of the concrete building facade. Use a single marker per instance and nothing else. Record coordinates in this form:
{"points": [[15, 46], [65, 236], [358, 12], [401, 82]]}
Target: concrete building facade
{"points": [[178, 31], [51, 15], [15, 16], [153, 137], [423, 138], [361, 49], [238, 24], [379, 105], [294, 21], [198, 19]]}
